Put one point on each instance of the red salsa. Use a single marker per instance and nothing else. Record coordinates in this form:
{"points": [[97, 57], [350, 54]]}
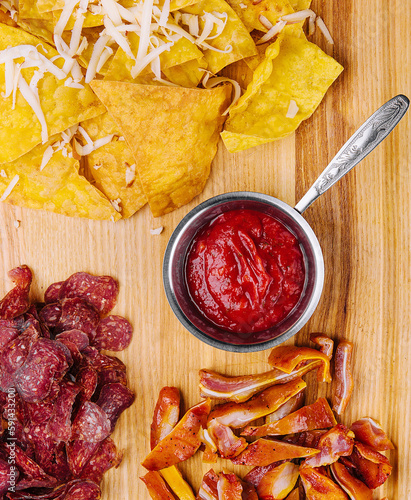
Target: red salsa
{"points": [[245, 271]]}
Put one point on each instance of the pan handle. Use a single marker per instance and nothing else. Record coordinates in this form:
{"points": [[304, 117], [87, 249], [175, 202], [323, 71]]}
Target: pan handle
{"points": [[367, 137]]}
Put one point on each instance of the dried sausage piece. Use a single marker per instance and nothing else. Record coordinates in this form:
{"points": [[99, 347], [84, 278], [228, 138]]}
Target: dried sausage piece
{"points": [[98, 361], [30, 469], [50, 315], [78, 314], [75, 353], [114, 399], [79, 453], [51, 457], [5, 470], [99, 291], [16, 302], [79, 338], [106, 457], [110, 375], [8, 332], [59, 425], [47, 359], [52, 293], [113, 333], [87, 379], [82, 490], [91, 423], [16, 352]]}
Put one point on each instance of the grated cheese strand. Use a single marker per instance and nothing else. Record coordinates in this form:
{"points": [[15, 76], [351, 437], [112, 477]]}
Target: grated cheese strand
{"points": [[145, 30], [272, 32], [140, 65], [324, 30], [34, 102], [293, 109], [164, 13], [209, 83], [10, 187], [48, 153]]}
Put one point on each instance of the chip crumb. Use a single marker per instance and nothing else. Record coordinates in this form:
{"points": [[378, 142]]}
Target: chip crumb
{"points": [[130, 173], [17, 224], [293, 109], [116, 204], [3, 173], [156, 231]]}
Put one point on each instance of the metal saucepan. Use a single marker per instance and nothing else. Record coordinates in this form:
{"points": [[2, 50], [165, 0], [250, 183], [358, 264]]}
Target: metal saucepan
{"points": [[369, 135]]}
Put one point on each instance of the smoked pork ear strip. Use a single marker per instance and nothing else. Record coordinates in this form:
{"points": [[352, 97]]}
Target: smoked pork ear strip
{"points": [[308, 418], [238, 415], [182, 442], [344, 382], [266, 451], [288, 358], [243, 387]]}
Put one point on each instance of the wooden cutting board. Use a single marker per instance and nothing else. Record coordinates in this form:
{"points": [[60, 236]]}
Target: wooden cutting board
{"points": [[363, 225]]}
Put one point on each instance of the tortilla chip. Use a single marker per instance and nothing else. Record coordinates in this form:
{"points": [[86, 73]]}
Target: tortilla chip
{"points": [[57, 188], [41, 28], [108, 166], [173, 133], [300, 4], [271, 9], [62, 106], [90, 20], [293, 69], [49, 5], [188, 74], [181, 52], [5, 18], [235, 34], [28, 9]]}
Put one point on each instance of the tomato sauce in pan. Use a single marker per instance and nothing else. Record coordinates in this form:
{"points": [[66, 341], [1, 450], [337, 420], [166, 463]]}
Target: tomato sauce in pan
{"points": [[245, 271]]}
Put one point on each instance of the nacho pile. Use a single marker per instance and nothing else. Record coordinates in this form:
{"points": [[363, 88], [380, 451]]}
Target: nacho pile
{"points": [[106, 105]]}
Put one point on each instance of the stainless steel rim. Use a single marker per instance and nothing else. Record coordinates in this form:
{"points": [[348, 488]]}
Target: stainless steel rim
{"points": [[195, 214]]}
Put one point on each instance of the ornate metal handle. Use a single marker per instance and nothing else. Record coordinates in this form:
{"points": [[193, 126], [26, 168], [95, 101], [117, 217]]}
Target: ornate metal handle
{"points": [[367, 137]]}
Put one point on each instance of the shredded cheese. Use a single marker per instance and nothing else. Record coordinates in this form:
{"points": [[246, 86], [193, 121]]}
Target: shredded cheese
{"points": [[272, 32], [3, 173], [324, 30], [116, 204], [10, 187], [48, 153], [208, 83], [130, 174], [293, 109]]}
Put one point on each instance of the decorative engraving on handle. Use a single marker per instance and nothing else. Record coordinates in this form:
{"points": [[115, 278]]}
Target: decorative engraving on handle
{"points": [[363, 142]]}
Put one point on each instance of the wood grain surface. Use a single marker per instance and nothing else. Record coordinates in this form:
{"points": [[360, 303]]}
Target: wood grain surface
{"points": [[363, 225]]}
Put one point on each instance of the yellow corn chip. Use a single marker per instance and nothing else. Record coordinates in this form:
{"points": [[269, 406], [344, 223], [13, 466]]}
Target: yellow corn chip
{"points": [[5, 18], [249, 11], [41, 28], [62, 106], [293, 70], [49, 5], [188, 74], [181, 52], [173, 134], [28, 9], [300, 4], [113, 167], [233, 44], [58, 187], [90, 20]]}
